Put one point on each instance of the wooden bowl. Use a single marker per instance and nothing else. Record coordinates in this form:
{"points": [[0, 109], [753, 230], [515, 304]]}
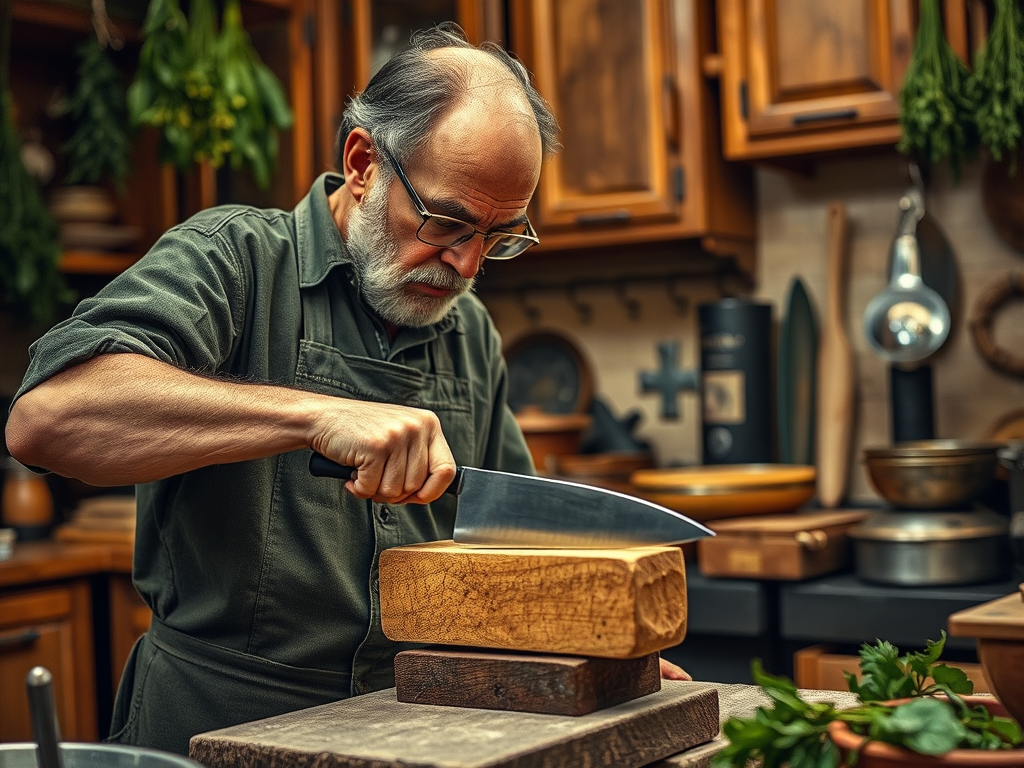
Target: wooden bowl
{"points": [[713, 492], [551, 434], [878, 755], [998, 629]]}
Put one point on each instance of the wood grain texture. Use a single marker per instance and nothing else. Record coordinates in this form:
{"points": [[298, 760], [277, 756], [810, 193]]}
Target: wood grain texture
{"points": [[835, 373], [378, 731], [521, 682], [999, 619], [787, 547], [586, 602]]}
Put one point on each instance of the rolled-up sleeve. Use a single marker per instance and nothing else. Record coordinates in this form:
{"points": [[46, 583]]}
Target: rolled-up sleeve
{"points": [[183, 303]]}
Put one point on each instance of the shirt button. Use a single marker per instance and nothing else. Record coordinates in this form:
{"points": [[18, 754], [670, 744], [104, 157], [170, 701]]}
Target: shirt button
{"points": [[384, 514]]}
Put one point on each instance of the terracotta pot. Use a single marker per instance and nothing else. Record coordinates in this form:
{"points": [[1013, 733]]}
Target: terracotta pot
{"points": [[551, 434], [878, 755]]}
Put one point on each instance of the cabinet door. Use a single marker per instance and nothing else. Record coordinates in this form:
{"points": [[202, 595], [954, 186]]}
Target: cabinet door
{"points": [[52, 628], [605, 68], [353, 38], [805, 76]]}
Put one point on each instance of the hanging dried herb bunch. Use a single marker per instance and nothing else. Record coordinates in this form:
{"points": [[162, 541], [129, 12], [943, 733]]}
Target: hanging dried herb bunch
{"points": [[100, 147], [996, 86], [211, 96], [30, 280], [936, 112]]}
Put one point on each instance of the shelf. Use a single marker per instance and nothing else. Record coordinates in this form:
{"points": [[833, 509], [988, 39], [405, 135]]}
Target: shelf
{"points": [[71, 17], [96, 262]]}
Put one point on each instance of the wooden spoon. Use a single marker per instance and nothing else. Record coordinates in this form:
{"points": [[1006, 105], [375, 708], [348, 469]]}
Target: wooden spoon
{"points": [[835, 373]]}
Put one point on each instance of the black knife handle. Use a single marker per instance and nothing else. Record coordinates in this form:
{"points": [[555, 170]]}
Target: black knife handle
{"points": [[321, 466]]}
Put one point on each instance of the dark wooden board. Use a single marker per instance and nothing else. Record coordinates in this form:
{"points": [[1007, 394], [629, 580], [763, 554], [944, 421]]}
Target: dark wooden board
{"points": [[378, 731], [522, 682]]}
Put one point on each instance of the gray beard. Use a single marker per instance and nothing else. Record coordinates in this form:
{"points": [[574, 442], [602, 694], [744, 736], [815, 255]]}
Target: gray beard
{"points": [[382, 281]]}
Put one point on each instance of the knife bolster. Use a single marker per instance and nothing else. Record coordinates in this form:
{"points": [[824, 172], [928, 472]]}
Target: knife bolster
{"points": [[617, 604]]}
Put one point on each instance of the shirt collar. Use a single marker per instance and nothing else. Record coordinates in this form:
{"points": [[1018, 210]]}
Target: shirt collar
{"points": [[320, 247]]}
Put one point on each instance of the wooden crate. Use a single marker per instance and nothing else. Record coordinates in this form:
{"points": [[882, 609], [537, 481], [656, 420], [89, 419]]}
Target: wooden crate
{"points": [[818, 668], [786, 547]]}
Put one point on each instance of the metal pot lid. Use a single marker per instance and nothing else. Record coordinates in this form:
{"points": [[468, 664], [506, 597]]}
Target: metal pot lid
{"points": [[929, 526], [932, 449]]}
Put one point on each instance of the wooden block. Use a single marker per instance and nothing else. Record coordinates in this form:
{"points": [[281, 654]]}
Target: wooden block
{"points": [[999, 619], [620, 604], [520, 682], [786, 547], [377, 731]]}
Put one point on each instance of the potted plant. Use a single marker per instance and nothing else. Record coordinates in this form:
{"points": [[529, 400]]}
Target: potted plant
{"points": [[31, 283], [914, 711], [98, 150]]}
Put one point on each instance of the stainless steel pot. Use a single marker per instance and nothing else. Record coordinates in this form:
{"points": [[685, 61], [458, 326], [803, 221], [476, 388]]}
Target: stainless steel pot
{"points": [[76, 755], [931, 548]]}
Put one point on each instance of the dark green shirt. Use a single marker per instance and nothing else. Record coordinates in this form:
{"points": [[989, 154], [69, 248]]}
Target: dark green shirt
{"points": [[258, 557]]}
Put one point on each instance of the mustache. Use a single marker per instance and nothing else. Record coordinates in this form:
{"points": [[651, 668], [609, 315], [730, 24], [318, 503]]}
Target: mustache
{"points": [[438, 276]]}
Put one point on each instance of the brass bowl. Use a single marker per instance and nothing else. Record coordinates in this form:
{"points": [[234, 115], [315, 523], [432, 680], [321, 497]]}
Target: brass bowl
{"points": [[932, 474]]}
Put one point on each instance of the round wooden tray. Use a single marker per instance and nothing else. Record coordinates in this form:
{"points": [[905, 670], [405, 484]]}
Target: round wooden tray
{"points": [[713, 492]]}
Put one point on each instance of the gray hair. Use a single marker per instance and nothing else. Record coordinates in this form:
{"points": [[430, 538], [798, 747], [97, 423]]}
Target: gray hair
{"points": [[403, 101]]}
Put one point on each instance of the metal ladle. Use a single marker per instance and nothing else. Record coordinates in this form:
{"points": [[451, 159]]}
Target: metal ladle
{"points": [[908, 321]]}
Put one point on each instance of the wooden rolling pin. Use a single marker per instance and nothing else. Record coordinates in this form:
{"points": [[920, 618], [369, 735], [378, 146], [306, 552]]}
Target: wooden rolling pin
{"points": [[835, 373]]}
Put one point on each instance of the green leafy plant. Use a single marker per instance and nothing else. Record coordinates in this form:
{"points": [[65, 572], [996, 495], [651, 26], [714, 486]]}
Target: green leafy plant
{"points": [[30, 280], [99, 147], [936, 111], [794, 732], [210, 95], [996, 85]]}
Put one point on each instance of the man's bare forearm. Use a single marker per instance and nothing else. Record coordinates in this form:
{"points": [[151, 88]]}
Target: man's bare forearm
{"points": [[123, 419]]}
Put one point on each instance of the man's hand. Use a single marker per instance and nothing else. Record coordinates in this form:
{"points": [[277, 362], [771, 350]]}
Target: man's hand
{"points": [[670, 671], [399, 453]]}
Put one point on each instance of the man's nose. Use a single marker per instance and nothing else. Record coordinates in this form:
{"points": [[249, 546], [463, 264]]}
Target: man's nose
{"points": [[466, 257]]}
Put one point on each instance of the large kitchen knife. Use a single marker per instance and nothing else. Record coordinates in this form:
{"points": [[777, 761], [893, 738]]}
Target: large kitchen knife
{"points": [[500, 509]]}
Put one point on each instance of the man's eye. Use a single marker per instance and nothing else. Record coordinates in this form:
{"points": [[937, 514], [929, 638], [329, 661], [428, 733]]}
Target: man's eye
{"points": [[448, 224]]}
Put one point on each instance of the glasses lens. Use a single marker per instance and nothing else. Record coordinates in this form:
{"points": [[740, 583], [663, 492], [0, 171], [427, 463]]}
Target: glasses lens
{"points": [[506, 246], [445, 232]]}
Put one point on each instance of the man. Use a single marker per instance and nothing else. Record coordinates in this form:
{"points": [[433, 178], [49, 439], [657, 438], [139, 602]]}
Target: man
{"points": [[205, 374]]}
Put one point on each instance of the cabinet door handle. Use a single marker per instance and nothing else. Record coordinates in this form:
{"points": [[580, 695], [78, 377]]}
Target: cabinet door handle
{"points": [[19, 638], [612, 217], [816, 117]]}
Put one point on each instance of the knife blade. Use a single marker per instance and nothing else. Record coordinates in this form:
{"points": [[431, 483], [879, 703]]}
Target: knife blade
{"points": [[501, 509]]}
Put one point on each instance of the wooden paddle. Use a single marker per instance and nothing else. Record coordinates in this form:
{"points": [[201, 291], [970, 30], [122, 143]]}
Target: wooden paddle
{"points": [[835, 373]]}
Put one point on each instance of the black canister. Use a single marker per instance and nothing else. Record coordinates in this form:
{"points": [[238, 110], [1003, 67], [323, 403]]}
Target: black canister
{"points": [[735, 361]]}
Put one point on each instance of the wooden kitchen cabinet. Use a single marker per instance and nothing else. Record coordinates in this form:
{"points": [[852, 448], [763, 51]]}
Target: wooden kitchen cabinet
{"points": [[800, 77], [45, 34], [129, 619], [642, 160], [351, 39], [49, 626]]}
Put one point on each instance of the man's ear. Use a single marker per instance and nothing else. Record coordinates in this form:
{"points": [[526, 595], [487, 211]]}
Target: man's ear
{"points": [[359, 162]]}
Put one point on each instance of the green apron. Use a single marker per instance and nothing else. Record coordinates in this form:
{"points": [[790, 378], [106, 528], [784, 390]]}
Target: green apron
{"points": [[177, 685]]}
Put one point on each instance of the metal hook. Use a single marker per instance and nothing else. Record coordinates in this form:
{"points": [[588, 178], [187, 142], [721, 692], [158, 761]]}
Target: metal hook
{"points": [[681, 302], [583, 309], [531, 311], [632, 305]]}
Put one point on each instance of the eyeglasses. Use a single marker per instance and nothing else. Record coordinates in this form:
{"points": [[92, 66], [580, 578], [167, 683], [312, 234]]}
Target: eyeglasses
{"points": [[446, 232]]}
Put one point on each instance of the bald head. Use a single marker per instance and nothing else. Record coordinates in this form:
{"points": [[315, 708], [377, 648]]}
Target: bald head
{"points": [[437, 75]]}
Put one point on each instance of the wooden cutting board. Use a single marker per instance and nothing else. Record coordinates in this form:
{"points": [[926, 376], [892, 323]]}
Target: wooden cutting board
{"points": [[614, 603], [785, 547], [522, 682], [377, 731]]}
